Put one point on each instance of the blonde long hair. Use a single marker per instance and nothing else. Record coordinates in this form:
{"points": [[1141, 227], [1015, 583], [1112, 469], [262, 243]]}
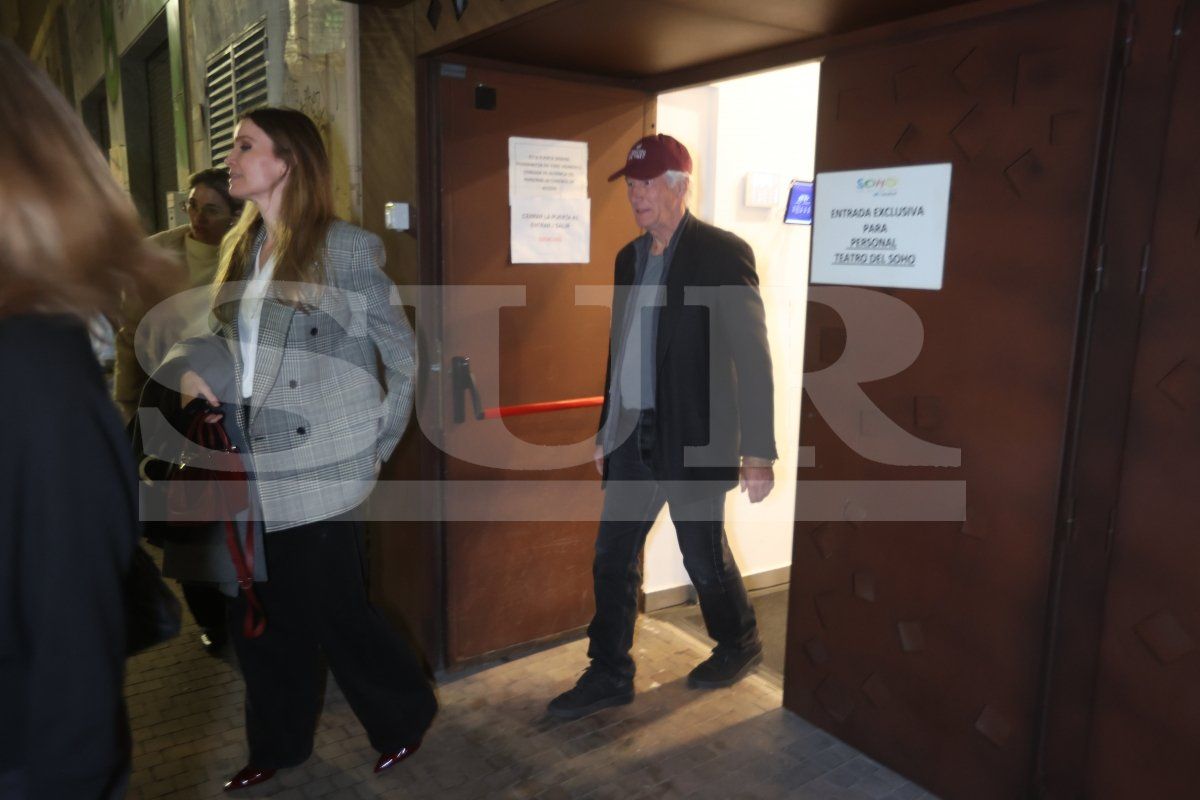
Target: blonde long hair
{"points": [[70, 238], [305, 212]]}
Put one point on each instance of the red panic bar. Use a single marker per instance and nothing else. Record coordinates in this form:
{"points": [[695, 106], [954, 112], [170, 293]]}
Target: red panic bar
{"points": [[542, 408]]}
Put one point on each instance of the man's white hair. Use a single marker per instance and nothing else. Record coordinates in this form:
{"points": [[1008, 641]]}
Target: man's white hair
{"points": [[674, 176]]}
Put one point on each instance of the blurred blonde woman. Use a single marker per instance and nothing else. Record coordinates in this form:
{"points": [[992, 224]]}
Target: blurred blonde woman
{"points": [[70, 246], [306, 316]]}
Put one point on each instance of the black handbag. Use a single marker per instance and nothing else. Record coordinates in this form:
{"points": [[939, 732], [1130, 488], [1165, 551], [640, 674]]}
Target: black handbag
{"points": [[153, 614]]}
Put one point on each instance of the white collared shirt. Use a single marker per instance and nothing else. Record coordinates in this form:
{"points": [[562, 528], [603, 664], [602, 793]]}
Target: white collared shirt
{"points": [[249, 314]]}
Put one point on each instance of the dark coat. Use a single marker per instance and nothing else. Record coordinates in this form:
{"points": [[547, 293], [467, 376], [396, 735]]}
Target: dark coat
{"points": [[714, 393], [68, 526]]}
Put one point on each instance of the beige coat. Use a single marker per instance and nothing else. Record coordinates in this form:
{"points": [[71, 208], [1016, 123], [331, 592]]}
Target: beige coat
{"points": [[169, 317]]}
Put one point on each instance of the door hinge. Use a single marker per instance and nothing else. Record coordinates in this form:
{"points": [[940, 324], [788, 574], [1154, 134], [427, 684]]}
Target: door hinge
{"points": [[1176, 31], [1127, 39], [1069, 521], [1144, 271], [1098, 272]]}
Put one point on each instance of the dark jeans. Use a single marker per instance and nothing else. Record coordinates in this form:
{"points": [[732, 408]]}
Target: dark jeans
{"points": [[632, 500], [316, 604]]}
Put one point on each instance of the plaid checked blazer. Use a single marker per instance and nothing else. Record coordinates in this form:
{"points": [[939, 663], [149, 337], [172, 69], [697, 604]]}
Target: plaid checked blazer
{"points": [[320, 419]]}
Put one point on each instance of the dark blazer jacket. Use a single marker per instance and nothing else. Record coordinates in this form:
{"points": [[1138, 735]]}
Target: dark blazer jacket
{"points": [[68, 526], [714, 394]]}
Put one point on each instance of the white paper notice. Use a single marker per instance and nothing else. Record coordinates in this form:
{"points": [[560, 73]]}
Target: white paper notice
{"points": [[881, 227], [546, 168], [551, 230]]}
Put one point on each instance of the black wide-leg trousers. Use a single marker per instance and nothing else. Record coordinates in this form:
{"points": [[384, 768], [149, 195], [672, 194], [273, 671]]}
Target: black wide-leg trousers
{"points": [[316, 604]]}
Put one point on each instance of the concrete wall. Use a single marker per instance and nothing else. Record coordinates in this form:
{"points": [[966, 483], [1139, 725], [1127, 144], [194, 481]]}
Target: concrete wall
{"points": [[54, 53], [313, 56], [87, 45], [312, 53], [313, 65], [131, 18]]}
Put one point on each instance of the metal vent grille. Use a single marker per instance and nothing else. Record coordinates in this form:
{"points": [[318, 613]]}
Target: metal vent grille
{"points": [[235, 80]]}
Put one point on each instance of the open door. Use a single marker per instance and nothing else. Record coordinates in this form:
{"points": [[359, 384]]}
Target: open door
{"points": [[922, 643], [516, 557]]}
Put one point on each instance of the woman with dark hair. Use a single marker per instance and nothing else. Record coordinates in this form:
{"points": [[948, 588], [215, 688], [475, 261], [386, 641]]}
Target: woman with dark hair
{"points": [[211, 209], [70, 246], [305, 309], [194, 251]]}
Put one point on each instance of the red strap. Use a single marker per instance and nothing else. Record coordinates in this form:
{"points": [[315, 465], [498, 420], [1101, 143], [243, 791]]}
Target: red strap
{"points": [[214, 437], [243, 562]]}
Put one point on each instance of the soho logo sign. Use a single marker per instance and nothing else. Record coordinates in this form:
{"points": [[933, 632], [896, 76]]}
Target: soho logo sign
{"points": [[877, 183]]}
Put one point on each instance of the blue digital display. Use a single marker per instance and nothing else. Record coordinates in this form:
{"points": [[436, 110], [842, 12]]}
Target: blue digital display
{"points": [[799, 204]]}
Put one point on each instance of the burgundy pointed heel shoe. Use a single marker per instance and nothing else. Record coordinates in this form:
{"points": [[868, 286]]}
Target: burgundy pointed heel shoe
{"points": [[391, 759], [248, 776]]}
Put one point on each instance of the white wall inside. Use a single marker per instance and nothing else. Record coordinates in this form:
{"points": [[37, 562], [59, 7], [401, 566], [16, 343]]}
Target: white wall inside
{"points": [[763, 123]]}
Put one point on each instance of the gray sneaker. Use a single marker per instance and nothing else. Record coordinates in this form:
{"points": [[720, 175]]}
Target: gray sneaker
{"points": [[724, 668], [596, 689]]}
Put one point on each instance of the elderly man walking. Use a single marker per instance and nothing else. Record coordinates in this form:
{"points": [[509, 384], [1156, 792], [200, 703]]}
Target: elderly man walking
{"points": [[688, 414]]}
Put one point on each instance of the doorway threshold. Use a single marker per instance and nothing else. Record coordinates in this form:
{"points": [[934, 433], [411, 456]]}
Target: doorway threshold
{"points": [[770, 606]]}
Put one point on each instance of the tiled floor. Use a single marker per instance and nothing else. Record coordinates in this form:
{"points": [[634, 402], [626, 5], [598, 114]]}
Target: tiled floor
{"points": [[492, 738]]}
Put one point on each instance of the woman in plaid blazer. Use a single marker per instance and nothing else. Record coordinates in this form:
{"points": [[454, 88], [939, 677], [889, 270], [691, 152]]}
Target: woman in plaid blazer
{"points": [[306, 311]]}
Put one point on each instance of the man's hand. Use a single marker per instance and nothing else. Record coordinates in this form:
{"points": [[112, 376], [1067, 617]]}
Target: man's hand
{"points": [[757, 478], [598, 457]]}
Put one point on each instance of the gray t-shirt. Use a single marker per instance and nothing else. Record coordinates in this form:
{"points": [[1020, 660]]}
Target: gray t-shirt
{"points": [[636, 375]]}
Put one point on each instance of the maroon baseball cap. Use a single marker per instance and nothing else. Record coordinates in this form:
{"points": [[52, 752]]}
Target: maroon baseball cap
{"points": [[651, 156]]}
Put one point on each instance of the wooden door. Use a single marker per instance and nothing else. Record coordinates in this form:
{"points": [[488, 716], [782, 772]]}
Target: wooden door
{"points": [[921, 643], [521, 497], [1145, 722]]}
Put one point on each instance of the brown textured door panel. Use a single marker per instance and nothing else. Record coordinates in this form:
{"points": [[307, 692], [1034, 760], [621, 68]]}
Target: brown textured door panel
{"points": [[922, 643], [1146, 718], [508, 582]]}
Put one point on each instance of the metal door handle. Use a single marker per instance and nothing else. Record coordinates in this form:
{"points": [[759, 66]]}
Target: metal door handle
{"points": [[461, 381]]}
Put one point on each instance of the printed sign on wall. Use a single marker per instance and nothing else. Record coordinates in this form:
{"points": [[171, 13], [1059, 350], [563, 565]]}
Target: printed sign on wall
{"points": [[882, 227], [551, 230], [550, 213], [546, 168]]}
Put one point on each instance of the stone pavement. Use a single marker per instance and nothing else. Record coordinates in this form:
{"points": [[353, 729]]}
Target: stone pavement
{"points": [[492, 738]]}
